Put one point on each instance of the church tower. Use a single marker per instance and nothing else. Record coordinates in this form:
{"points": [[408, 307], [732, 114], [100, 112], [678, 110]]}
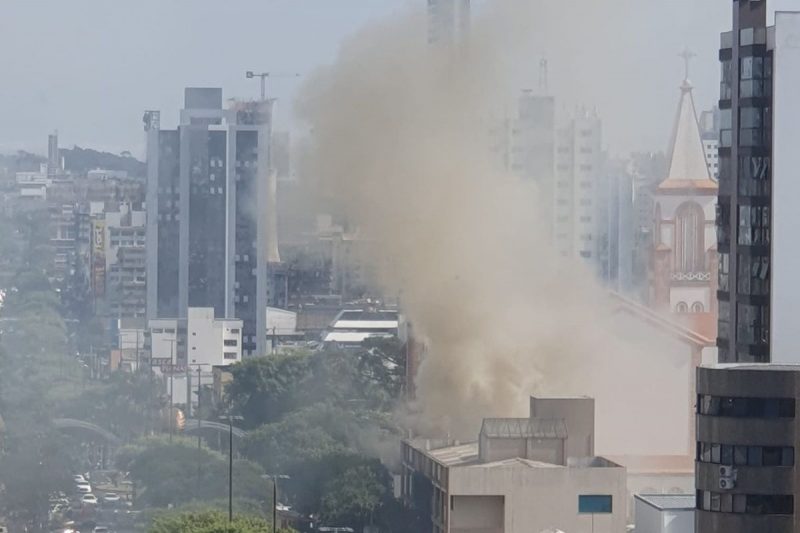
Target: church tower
{"points": [[684, 274]]}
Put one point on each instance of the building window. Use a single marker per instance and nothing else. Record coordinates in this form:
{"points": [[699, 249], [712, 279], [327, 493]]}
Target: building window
{"points": [[595, 504], [697, 307], [745, 407], [235, 330], [740, 455], [230, 355], [231, 342], [689, 237], [754, 504], [682, 307]]}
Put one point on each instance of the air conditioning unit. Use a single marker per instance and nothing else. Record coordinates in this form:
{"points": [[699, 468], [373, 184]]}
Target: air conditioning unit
{"points": [[727, 471], [726, 483]]}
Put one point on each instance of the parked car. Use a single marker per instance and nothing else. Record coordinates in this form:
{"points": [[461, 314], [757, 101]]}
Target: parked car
{"points": [[111, 499], [78, 478], [101, 529], [83, 488], [89, 499]]}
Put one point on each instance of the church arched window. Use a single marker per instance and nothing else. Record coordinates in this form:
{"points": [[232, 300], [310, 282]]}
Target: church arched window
{"points": [[689, 238], [698, 307], [681, 307]]}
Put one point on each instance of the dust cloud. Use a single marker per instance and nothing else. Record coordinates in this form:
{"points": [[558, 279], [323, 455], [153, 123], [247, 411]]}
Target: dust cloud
{"points": [[399, 146]]}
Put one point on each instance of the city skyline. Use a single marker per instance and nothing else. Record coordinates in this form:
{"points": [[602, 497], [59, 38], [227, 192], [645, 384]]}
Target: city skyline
{"points": [[164, 58]]}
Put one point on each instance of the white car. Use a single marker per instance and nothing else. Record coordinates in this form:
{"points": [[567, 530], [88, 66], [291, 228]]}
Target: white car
{"points": [[111, 497], [101, 529], [78, 478], [89, 499], [83, 488]]}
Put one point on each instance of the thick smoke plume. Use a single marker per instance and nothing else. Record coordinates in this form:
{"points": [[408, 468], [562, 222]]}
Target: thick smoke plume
{"points": [[399, 145]]}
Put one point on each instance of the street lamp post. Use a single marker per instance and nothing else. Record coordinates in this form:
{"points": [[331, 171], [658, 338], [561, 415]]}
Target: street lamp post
{"points": [[274, 478], [230, 419]]}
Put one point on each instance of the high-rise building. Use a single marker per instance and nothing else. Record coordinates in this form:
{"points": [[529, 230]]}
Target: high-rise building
{"points": [[709, 130], [580, 221], [683, 281], [448, 21], [747, 437], [54, 167], [757, 214], [208, 188]]}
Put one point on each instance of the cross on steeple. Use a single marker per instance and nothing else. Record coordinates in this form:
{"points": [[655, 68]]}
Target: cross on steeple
{"points": [[687, 56]]}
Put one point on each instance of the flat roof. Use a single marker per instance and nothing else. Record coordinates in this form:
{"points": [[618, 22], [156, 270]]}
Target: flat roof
{"points": [[669, 502], [784, 367], [365, 324], [352, 336], [458, 455]]}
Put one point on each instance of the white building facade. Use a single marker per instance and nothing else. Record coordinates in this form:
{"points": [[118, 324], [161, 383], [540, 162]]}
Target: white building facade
{"points": [[580, 223]]}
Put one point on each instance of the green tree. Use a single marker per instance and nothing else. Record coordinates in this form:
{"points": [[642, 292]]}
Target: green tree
{"points": [[34, 466], [209, 522], [354, 496], [264, 389], [179, 473]]}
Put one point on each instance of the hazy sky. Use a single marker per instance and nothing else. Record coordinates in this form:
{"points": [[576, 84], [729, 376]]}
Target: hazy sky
{"points": [[89, 68]]}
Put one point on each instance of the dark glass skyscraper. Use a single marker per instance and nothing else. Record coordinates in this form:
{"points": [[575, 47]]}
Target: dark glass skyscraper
{"points": [[207, 191], [745, 179]]}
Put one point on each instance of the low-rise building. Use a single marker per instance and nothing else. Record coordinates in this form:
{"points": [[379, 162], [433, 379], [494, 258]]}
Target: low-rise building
{"points": [[664, 513], [351, 327], [522, 475], [183, 348]]}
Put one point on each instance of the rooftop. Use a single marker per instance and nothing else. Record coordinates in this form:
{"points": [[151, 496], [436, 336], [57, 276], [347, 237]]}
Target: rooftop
{"points": [[458, 455], [775, 367], [669, 502], [525, 428]]}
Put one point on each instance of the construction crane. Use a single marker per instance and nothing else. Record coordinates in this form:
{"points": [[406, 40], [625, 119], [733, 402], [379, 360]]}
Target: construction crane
{"points": [[264, 75]]}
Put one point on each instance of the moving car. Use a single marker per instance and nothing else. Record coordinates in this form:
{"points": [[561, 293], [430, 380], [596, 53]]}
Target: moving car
{"points": [[78, 478], [89, 499], [83, 488]]}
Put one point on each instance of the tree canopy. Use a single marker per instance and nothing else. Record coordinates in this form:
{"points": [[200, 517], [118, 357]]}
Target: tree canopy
{"points": [[209, 522]]}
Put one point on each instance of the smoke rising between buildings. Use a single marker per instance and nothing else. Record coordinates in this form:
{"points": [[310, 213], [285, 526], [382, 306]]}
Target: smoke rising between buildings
{"points": [[398, 147]]}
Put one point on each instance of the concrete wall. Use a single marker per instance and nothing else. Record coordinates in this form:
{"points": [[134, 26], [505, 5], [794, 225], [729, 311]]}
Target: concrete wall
{"points": [[538, 499], [499, 449], [785, 190], [578, 415], [206, 337], [477, 514], [649, 519]]}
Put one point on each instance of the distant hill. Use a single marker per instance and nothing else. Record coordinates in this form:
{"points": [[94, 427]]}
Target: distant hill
{"points": [[81, 160], [22, 161]]}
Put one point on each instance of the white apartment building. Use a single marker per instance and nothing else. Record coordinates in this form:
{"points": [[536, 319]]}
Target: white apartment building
{"points": [[182, 348], [580, 219], [33, 185], [212, 341]]}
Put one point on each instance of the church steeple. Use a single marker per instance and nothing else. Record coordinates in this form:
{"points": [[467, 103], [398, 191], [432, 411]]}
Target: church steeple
{"points": [[688, 168]]}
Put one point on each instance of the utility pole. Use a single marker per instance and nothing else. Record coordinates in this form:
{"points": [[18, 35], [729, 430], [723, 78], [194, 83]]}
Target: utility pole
{"points": [[230, 418], [171, 375], [274, 478]]}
